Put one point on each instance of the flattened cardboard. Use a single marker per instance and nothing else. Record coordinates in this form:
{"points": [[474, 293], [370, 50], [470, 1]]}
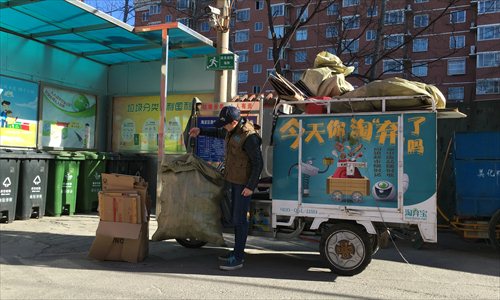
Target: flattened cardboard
{"points": [[120, 242], [113, 181], [121, 207]]}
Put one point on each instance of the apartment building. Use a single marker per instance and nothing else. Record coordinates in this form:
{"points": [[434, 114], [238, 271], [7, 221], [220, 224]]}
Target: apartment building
{"points": [[453, 44]]}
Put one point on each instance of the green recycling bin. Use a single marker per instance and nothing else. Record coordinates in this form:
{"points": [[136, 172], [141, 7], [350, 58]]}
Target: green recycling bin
{"points": [[89, 181], [63, 183]]}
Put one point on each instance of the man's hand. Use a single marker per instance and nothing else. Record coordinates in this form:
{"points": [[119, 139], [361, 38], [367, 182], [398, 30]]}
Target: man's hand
{"points": [[194, 132], [246, 192]]}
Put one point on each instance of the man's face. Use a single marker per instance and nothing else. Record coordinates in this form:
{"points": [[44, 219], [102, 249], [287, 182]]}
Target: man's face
{"points": [[229, 127]]}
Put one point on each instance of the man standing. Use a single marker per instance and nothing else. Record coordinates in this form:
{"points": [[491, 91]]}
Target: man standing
{"points": [[243, 165]]}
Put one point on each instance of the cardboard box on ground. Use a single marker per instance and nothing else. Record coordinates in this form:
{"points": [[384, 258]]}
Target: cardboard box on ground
{"points": [[124, 206]]}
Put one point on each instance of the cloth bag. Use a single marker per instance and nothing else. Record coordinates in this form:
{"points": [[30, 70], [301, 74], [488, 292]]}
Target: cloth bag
{"points": [[190, 201]]}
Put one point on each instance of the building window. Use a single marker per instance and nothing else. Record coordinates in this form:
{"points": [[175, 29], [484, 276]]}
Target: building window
{"points": [[301, 34], [259, 26], [370, 35], [368, 60], [185, 4], [488, 86], [241, 36], [456, 93], [420, 45], [332, 10], [242, 15], [419, 69], [296, 76], [393, 66], [488, 6], [301, 56], [421, 1], [154, 9], [279, 30], [242, 56], [278, 10], [331, 31], [145, 16], [270, 71], [256, 89], [350, 22], [347, 3], [204, 27], [304, 15], [393, 41], [168, 19], [242, 76], [488, 32], [488, 59], [393, 17], [257, 47], [354, 64], [269, 53], [421, 21], [372, 11], [457, 42], [350, 46], [186, 21], [257, 68], [456, 66], [331, 50], [259, 4], [457, 17]]}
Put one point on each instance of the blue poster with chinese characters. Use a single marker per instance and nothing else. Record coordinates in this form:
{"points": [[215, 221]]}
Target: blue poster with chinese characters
{"points": [[353, 160]]}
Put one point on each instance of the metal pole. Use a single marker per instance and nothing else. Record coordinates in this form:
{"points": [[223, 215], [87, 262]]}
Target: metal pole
{"points": [[222, 47]]}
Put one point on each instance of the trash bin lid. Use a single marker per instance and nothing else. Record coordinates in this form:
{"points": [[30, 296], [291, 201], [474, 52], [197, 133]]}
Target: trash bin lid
{"points": [[11, 154], [37, 154], [93, 155], [66, 155]]}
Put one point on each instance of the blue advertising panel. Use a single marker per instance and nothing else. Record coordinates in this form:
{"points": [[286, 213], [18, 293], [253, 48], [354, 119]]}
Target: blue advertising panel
{"points": [[209, 148], [19, 112], [353, 160]]}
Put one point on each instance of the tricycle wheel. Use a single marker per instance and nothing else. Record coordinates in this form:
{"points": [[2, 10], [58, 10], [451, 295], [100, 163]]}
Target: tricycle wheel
{"points": [[493, 228], [188, 243], [347, 248]]}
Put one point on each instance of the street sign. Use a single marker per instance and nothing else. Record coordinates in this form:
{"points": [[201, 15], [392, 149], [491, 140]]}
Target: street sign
{"points": [[220, 62]]}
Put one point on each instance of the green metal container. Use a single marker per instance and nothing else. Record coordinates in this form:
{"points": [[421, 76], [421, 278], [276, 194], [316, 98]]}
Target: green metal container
{"points": [[63, 183], [89, 181]]}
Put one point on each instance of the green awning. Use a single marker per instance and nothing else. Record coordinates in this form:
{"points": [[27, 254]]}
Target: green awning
{"points": [[78, 28]]}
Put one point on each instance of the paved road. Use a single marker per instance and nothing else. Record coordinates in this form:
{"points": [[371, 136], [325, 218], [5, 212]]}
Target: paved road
{"points": [[47, 259]]}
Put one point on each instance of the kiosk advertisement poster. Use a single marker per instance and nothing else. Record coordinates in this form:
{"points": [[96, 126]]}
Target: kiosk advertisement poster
{"points": [[353, 160], [19, 112], [136, 121], [68, 118]]}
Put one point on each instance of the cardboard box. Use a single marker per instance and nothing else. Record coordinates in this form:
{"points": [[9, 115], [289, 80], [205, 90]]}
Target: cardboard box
{"points": [[121, 242], [125, 206], [114, 181], [121, 182]]}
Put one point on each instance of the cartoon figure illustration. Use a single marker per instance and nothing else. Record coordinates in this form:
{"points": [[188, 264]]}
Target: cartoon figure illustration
{"points": [[347, 179], [308, 170], [5, 113]]}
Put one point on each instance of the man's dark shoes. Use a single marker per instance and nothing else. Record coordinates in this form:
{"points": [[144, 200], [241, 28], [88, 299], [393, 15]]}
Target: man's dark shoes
{"points": [[231, 264]]}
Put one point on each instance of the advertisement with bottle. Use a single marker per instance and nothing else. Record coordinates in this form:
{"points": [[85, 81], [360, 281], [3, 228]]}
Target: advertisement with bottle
{"points": [[19, 112], [68, 118], [353, 160], [136, 121]]}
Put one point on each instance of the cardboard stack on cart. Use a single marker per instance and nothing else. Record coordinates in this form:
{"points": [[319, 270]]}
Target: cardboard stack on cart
{"points": [[122, 233]]}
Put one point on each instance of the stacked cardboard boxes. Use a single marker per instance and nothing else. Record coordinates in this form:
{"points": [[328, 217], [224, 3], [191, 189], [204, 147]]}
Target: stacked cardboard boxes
{"points": [[122, 233]]}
